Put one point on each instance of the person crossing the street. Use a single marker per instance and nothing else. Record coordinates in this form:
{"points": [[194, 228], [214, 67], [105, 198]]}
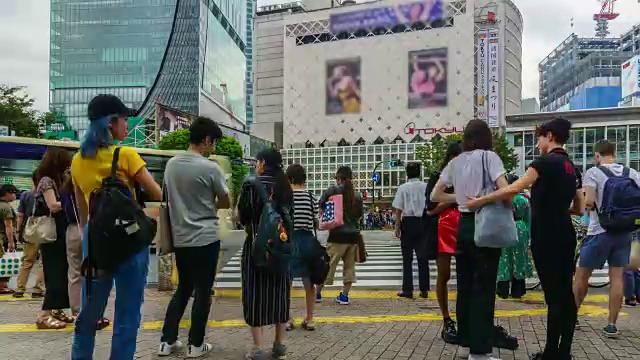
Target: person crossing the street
{"points": [[408, 205]]}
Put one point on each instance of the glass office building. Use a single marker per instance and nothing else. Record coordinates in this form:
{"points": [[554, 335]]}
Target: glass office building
{"points": [[147, 51]]}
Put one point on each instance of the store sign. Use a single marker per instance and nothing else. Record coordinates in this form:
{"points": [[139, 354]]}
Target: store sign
{"points": [[411, 129], [482, 82], [493, 95], [631, 77]]}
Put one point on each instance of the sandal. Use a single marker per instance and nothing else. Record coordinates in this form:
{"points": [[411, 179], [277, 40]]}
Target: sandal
{"points": [[50, 324], [60, 315], [103, 323], [18, 295], [290, 325], [6, 291], [308, 325]]}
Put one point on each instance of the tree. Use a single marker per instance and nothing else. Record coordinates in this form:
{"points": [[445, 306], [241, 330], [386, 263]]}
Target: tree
{"points": [[227, 146], [17, 113], [433, 152]]}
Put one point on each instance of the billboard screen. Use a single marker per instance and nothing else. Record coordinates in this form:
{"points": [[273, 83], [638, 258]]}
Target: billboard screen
{"points": [[343, 86], [428, 78], [631, 76], [169, 120], [387, 16]]}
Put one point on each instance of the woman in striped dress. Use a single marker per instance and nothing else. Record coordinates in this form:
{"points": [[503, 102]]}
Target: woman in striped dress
{"points": [[304, 243], [265, 295]]}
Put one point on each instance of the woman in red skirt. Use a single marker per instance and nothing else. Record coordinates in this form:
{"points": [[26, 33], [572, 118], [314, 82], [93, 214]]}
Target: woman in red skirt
{"points": [[447, 231]]}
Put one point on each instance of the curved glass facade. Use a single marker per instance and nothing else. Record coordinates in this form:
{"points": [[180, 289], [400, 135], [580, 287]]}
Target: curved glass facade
{"points": [[146, 51], [105, 46]]}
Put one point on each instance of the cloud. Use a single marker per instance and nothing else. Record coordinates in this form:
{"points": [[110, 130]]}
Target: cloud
{"points": [[24, 37], [24, 40]]}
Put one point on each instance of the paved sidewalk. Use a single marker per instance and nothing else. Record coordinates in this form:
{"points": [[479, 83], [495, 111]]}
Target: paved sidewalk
{"points": [[372, 327]]}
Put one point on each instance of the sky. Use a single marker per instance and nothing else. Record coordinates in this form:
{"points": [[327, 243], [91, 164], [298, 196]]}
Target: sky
{"points": [[24, 37]]}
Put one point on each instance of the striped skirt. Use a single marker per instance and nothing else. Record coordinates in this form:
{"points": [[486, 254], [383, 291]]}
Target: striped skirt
{"points": [[265, 296]]}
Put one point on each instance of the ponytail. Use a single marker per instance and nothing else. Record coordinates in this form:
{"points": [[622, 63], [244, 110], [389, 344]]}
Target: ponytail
{"points": [[282, 193], [345, 174]]}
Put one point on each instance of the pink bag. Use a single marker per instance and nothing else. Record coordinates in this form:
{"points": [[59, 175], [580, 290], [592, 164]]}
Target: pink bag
{"points": [[332, 216]]}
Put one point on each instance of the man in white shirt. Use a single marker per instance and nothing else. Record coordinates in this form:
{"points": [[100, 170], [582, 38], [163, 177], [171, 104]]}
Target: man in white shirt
{"points": [[409, 206], [601, 246]]}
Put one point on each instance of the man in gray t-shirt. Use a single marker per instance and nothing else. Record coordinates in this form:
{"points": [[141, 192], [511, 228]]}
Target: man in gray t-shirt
{"points": [[194, 185], [195, 189]]}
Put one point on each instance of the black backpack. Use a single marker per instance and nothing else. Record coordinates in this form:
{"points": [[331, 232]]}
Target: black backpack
{"points": [[118, 226]]}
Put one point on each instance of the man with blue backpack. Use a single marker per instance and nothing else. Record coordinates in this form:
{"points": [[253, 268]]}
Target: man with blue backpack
{"points": [[613, 199]]}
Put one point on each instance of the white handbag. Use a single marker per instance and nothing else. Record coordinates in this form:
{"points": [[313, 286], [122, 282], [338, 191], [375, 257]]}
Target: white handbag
{"points": [[40, 229]]}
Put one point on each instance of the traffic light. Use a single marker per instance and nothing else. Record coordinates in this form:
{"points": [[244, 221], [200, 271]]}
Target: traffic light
{"points": [[364, 195], [396, 163]]}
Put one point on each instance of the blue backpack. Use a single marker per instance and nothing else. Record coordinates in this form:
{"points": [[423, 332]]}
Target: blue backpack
{"points": [[620, 208], [271, 248]]}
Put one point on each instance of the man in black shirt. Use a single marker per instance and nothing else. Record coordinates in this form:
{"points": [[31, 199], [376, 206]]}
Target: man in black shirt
{"points": [[556, 194]]}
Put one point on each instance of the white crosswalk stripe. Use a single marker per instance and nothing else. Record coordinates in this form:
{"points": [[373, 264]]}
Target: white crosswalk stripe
{"points": [[383, 269]]}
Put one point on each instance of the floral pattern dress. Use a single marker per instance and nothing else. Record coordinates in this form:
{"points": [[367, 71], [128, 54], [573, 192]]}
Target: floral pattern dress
{"points": [[516, 261]]}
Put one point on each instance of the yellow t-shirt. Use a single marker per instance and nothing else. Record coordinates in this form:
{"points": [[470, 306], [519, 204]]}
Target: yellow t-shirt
{"points": [[87, 173]]}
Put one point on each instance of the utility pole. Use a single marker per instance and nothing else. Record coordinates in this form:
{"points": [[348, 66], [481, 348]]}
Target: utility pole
{"points": [[373, 184]]}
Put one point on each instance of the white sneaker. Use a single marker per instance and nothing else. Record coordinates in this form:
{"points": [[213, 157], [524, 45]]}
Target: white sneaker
{"points": [[166, 349], [197, 351]]}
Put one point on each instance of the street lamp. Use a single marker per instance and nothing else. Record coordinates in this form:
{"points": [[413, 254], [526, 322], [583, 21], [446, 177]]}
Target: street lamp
{"points": [[376, 177]]}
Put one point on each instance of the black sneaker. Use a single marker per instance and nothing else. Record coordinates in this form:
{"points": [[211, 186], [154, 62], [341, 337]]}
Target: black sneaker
{"points": [[502, 339], [610, 331], [424, 294], [449, 332], [405, 295]]}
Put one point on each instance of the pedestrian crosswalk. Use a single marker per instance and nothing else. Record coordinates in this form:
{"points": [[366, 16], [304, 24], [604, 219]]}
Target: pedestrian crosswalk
{"points": [[382, 270]]}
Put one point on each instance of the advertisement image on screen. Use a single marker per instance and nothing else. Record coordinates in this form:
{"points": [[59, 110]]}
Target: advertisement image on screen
{"points": [[343, 86], [428, 78], [387, 16], [170, 120], [631, 77]]}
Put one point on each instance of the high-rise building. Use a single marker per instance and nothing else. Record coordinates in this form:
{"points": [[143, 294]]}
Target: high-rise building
{"points": [[584, 73], [248, 51], [186, 54]]}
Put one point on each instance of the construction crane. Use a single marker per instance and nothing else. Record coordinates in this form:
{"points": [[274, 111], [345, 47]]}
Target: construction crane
{"points": [[603, 17]]}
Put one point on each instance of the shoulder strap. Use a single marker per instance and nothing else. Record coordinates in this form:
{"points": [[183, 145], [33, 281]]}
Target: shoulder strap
{"points": [[626, 172], [114, 162], [606, 171]]}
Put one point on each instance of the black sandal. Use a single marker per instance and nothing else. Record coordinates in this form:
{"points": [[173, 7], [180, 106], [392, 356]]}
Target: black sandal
{"points": [[103, 323]]}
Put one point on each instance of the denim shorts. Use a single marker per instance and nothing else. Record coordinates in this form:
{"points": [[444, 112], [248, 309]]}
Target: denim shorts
{"points": [[613, 249]]}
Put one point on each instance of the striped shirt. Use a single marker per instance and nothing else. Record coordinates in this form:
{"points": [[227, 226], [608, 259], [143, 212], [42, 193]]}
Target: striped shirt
{"points": [[305, 207]]}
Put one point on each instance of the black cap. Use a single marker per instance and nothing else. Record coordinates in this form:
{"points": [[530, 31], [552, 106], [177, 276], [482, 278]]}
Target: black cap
{"points": [[8, 189], [105, 105]]}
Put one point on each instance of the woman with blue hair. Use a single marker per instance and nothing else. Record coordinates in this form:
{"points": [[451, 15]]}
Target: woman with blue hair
{"points": [[515, 263], [108, 123]]}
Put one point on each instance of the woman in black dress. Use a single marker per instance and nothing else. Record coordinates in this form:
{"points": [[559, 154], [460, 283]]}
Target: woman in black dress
{"points": [[265, 295]]}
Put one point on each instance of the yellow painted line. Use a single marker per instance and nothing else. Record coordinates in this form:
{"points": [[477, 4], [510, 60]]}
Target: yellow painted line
{"points": [[534, 296], [585, 310], [387, 294]]}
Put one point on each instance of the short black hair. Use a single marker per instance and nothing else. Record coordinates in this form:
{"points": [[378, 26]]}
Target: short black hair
{"points": [[296, 174], [202, 128], [8, 189], [558, 127], [413, 170], [477, 136], [605, 148]]}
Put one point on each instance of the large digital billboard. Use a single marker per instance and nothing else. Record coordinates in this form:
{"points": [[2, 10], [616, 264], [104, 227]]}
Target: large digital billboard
{"points": [[343, 86], [169, 120]]}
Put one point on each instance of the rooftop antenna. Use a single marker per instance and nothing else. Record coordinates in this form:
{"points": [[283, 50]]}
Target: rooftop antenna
{"points": [[603, 17]]}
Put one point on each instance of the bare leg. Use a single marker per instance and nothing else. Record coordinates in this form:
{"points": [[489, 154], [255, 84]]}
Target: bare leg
{"points": [[616, 292], [281, 329], [346, 287], [581, 284], [258, 336], [443, 262], [310, 299]]}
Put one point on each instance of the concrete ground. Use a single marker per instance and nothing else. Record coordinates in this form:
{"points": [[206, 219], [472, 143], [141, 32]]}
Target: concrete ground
{"points": [[375, 326]]}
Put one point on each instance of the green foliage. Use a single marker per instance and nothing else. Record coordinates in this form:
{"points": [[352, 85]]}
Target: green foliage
{"points": [[175, 140], [227, 146], [17, 113], [433, 152]]}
